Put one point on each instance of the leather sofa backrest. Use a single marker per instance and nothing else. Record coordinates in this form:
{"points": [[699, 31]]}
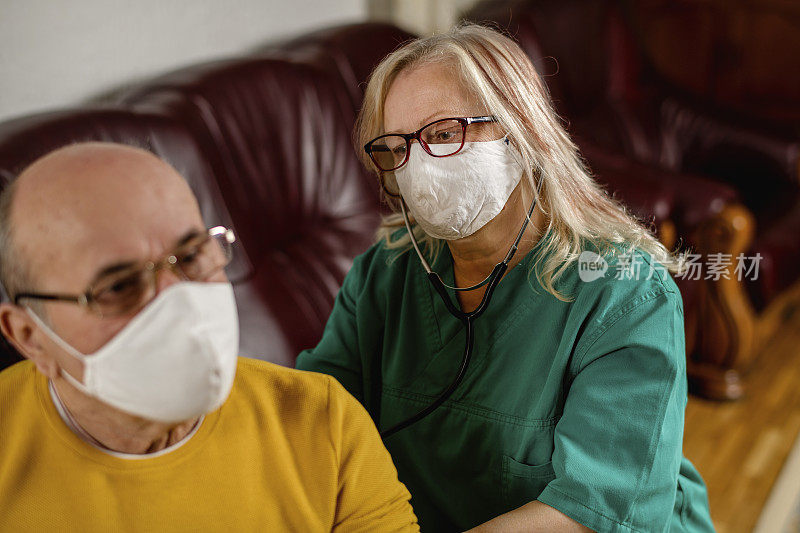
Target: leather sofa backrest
{"points": [[277, 136], [591, 64], [350, 52], [581, 47]]}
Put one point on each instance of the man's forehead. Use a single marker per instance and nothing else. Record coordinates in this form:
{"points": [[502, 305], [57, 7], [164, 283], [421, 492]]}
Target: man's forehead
{"points": [[91, 168], [94, 203]]}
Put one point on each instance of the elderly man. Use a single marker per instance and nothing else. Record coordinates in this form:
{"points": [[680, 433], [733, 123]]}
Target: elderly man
{"points": [[132, 411]]}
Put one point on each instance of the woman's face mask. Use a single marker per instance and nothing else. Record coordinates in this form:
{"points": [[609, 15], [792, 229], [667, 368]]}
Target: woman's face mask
{"points": [[453, 197]]}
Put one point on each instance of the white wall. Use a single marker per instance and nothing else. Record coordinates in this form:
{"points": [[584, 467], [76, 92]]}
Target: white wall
{"points": [[422, 17], [55, 53]]}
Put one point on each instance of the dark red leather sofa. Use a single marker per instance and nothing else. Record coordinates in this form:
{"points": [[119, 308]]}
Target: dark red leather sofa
{"points": [[265, 141]]}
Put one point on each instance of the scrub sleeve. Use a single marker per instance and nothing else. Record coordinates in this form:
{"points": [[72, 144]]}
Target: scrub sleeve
{"points": [[578, 404]]}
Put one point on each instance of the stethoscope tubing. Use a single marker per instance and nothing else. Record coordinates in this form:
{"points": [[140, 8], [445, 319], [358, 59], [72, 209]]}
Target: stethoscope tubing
{"points": [[468, 319]]}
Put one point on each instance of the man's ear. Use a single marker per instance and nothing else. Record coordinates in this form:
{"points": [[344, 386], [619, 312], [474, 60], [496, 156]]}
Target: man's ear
{"points": [[21, 331]]}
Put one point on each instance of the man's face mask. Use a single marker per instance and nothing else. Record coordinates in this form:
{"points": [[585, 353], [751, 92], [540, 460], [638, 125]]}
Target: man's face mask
{"points": [[174, 361]]}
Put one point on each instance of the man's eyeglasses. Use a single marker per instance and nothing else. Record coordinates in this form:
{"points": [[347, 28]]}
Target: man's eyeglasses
{"points": [[129, 289], [390, 152]]}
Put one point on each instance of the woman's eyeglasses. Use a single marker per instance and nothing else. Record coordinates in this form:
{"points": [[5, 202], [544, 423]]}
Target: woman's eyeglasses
{"points": [[127, 290], [390, 152]]}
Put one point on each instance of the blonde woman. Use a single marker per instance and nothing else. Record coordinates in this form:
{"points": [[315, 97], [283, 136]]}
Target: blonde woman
{"points": [[547, 391]]}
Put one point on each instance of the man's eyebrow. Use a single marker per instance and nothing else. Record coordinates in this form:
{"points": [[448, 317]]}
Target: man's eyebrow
{"points": [[188, 236], [113, 269], [126, 265]]}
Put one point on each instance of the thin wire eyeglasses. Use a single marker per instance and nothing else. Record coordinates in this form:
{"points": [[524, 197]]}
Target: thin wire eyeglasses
{"points": [[127, 290]]}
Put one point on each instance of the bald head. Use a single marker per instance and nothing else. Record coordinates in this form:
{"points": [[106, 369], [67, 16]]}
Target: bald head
{"points": [[82, 206]]}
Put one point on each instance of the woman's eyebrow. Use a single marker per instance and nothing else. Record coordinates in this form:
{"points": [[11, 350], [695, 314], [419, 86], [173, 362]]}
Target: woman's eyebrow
{"points": [[426, 120]]}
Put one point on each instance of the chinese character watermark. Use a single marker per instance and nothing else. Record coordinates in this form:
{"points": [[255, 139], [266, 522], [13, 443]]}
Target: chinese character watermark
{"points": [[629, 266]]}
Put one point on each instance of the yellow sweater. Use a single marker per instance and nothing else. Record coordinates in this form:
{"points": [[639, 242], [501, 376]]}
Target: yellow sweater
{"points": [[288, 451]]}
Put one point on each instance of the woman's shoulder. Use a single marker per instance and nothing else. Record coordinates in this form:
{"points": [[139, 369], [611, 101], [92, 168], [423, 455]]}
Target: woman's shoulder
{"points": [[381, 262], [607, 281], [622, 297]]}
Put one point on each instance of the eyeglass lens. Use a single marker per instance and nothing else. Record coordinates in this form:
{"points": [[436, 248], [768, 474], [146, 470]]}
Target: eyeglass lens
{"points": [[439, 139], [389, 151], [126, 291]]}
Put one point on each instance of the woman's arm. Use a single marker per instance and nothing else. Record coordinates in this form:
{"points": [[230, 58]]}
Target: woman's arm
{"points": [[617, 445], [532, 517]]}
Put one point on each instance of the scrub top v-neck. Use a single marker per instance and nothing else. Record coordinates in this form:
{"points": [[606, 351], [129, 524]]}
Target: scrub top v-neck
{"points": [[579, 404]]}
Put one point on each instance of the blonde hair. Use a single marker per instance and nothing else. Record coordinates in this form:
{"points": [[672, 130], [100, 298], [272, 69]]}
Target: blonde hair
{"points": [[497, 71]]}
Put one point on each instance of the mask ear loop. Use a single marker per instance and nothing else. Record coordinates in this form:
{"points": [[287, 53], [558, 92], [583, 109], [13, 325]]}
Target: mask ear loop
{"points": [[64, 345], [55, 337]]}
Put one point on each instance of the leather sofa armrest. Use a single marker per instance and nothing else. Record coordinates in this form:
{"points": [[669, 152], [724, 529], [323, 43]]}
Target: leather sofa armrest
{"points": [[709, 222], [665, 198], [724, 322]]}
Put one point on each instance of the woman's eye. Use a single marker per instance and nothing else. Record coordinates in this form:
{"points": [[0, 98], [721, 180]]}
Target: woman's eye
{"points": [[445, 136]]}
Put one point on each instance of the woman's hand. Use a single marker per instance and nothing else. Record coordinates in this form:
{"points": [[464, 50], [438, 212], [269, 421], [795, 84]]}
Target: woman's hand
{"points": [[531, 518]]}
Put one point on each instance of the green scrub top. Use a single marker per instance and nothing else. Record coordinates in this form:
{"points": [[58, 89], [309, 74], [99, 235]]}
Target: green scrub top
{"points": [[579, 405]]}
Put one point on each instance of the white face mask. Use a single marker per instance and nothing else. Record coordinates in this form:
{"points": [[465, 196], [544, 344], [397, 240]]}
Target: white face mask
{"points": [[453, 197], [173, 361]]}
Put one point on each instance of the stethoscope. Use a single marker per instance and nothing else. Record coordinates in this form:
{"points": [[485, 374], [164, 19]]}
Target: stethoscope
{"points": [[468, 319]]}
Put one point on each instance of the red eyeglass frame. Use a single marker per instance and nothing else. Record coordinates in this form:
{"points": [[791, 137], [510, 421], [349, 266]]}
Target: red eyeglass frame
{"points": [[464, 121]]}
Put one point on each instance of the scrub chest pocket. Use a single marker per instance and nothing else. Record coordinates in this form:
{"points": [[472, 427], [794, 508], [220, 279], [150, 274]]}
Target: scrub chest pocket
{"points": [[522, 483], [490, 462]]}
